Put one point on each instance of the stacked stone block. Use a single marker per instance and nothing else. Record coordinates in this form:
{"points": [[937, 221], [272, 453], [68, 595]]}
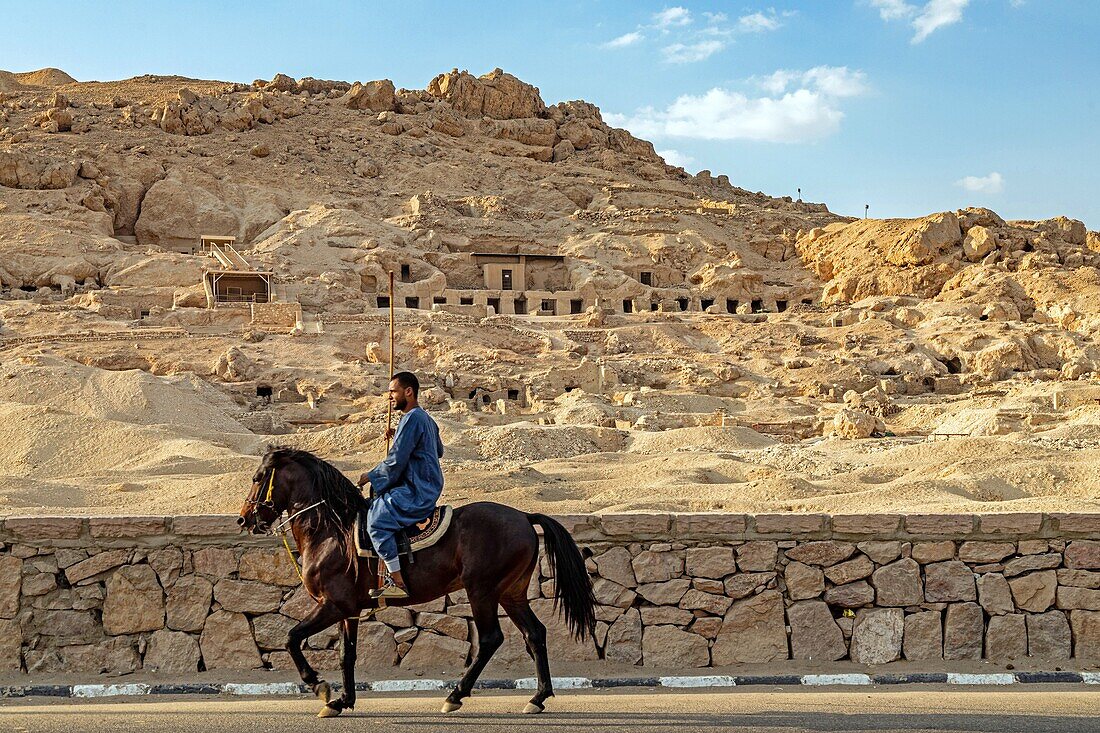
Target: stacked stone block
{"points": [[115, 595]]}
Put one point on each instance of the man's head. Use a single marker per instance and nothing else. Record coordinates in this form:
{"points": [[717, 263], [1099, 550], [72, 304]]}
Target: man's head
{"points": [[404, 389]]}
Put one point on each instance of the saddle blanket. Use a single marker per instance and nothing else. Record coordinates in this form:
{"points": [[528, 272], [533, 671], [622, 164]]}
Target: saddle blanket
{"points": [[419, 536]]}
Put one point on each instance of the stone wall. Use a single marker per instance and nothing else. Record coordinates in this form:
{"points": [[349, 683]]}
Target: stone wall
{"points": [[177, 595], [280, 315]]}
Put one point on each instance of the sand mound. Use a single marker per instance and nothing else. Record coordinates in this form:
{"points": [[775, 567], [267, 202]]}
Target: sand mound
{"points": [[9, 82], [186, 403], [48, 77], [527, 443], [979, 422], [714, 439]]}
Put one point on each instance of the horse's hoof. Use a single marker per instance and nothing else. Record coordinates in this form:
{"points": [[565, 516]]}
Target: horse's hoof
{"points": [[450, 707], [533, 709], [323, 692], [328, 712]]}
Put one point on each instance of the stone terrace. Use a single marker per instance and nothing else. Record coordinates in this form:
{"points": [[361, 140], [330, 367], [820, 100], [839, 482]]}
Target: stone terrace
{"points": [[179, 595]]}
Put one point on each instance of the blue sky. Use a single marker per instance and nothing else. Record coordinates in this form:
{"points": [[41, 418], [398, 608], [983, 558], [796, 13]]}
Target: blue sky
{"points": [[910, 106]]}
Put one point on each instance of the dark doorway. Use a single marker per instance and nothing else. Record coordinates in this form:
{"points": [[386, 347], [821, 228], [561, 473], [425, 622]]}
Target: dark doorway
{"points": [[406, 273], [654, 305], [412, 302], [520, 306], [757, 306], [494, 303], [383, 301], [780, 306], [576, 306], [439, 301], [683, 303], [513, 394], [628, 306], [646, 278], [731, 305], [505, 279], [706, 303], [465, 301]]}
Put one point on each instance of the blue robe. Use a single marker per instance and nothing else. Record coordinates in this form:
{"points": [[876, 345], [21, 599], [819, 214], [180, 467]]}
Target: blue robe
{"points": [[407, 484]]}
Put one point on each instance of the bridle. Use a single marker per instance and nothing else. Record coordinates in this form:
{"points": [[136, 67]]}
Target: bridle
{"points": [[268, 503]]}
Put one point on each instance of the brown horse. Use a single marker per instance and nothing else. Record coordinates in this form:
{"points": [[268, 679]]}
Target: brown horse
{"points": [[489, 549]]}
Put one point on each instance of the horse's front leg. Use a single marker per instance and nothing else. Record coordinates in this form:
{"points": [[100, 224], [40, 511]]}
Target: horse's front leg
{"points": [[350, 634], [320, 618]]}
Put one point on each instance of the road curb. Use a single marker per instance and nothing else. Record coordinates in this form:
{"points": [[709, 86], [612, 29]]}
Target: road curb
{"points": [[560, 683]]}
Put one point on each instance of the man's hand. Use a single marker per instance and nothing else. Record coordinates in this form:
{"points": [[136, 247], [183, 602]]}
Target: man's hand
{"points": [[389, 433], [364, 480]]}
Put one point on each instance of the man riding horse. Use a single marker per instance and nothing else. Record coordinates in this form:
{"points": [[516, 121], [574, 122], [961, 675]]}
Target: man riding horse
{"points": [[406, 485], [489, 550]]}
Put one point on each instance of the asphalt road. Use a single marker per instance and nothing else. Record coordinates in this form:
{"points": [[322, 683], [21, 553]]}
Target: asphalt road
{"points": [[1057, 709]]}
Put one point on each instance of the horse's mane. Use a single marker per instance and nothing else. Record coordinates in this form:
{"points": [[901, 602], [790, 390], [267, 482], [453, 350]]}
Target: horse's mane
{"points": [[340, 494], [342, 498]]}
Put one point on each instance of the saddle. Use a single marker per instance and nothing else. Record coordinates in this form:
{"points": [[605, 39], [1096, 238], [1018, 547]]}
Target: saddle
{"points": [[410, 539]]}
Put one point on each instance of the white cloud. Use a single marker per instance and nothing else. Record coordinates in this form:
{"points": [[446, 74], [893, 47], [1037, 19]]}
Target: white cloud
{"points": [[675, 157], [832, 81], [759, 22], [937, 14], [925, 19], [674, 16], [680, 53], [801, 106], [993, 183], [626, 39], [716, 17], [836, 81], [894, 9]]}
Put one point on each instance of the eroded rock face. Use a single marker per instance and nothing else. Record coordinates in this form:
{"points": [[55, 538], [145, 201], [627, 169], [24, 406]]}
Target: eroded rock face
{"points": [[497, 95], [194, 114], [884, 257], [30, 171], [372, 96], [856, 424], [186, 204]]}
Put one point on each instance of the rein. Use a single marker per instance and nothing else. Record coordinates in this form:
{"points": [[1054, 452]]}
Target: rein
{"points": [[281, 529]]}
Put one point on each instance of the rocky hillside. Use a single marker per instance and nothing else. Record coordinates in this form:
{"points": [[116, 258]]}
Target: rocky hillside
{"points": [[671, 340]]}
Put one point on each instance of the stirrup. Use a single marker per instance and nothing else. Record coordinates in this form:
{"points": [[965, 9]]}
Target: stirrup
{"points": [[389, 589]]}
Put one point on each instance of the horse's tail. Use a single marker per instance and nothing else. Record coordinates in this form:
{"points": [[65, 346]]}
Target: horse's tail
{"points": [[573, 587]]}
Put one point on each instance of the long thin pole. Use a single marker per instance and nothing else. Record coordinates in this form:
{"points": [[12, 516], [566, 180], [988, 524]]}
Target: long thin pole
{"points": [[389, 403]]}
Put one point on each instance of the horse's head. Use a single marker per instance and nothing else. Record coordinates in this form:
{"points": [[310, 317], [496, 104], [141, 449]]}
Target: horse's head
{"points": [[269, 495]]}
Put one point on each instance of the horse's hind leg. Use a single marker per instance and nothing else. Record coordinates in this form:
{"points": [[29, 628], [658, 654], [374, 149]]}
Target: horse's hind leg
{"points": [[319, 619], [350, 636], [534, 634], [489, 639]]}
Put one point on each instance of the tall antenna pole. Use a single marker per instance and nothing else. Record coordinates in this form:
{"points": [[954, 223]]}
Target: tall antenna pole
{"points": [[389, 402]]}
